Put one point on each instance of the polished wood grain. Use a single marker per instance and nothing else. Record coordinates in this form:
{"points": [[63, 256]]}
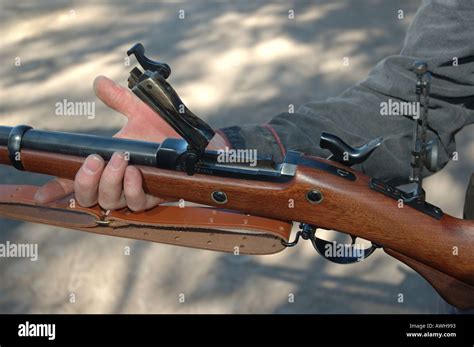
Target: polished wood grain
{"points": [[446, 245], [457, 293]]}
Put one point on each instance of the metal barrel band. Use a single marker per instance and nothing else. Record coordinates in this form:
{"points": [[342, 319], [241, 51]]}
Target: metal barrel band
{"points": [[14, 145]]}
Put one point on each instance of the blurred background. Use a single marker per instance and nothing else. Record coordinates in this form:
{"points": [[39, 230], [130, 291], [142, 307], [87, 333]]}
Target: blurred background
{"points": [[232, 62]]}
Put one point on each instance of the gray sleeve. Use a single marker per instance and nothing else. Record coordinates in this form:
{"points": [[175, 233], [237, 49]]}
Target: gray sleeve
{"points": [[440, 34]]}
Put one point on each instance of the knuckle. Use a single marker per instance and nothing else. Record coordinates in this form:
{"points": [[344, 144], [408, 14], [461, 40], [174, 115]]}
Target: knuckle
{"points": [[84, 202], [110, 199], [132, 191], [106, 204], [111, 177], [109, 191], [105, 200], [84, 198], [132, 186], [136, 207], [135, 199], [82, 182]]}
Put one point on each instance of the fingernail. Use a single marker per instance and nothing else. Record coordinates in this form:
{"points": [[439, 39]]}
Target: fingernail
{"points": [[92, 164], [39, 196], [116, 161]]}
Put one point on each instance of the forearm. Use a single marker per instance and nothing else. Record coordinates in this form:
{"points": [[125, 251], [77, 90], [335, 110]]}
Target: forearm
{"points": [[439, 35]]}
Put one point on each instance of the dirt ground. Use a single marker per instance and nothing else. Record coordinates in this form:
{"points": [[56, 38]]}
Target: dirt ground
{"points": [[232, 62]]}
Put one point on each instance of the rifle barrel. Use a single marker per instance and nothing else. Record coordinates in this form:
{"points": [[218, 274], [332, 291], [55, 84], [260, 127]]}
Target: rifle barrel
{"points": [[80, 145]]}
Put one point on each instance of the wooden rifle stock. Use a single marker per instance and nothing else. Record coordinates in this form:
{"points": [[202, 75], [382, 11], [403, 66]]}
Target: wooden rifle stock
{"points": [[442, 251]]}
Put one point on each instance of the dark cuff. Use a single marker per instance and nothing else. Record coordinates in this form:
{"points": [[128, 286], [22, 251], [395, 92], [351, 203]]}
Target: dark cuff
{"points": [[260, 137]]}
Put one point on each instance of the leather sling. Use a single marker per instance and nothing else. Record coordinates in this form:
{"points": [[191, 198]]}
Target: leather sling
{"points": [[192, 226]]}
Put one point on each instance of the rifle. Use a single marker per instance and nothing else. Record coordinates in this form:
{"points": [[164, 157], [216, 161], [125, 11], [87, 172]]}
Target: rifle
{"points": [[249, 210]]}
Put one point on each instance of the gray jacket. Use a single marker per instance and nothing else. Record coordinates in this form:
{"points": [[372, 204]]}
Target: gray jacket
{"points": [[441, 35]]}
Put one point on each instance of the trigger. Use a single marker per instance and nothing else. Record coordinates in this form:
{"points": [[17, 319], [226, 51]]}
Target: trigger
{"points": [[353, 239]]}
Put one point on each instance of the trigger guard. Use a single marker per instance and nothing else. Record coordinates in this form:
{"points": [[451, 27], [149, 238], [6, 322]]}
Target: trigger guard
{"points": [[321, 246]]}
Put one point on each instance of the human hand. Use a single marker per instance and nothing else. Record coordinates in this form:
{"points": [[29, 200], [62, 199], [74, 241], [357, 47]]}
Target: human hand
{"points": [[116, 184]]}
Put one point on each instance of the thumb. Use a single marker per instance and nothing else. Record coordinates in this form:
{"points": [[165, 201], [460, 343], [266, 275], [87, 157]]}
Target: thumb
{"points": [[54, 190], [143, 122]]}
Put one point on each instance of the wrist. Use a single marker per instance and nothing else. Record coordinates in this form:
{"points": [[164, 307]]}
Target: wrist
{"points": [[218, 142]]}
